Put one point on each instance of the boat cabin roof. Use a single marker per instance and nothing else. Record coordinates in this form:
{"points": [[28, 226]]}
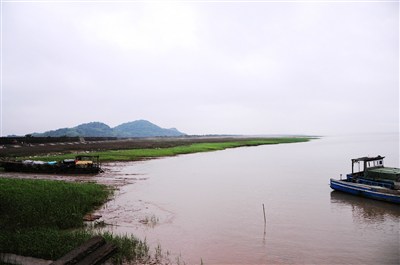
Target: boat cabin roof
{"points": [[367, 159]]}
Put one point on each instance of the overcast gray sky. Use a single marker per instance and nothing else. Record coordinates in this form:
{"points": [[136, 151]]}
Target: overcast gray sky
{"points": [[204, 68]]}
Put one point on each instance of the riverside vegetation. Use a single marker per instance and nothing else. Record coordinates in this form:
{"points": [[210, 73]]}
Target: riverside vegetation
{"points": [[44, 219]]}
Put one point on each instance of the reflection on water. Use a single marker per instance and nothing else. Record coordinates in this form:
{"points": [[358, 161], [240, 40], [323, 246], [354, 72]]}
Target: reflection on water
{"points": [[365, 210], [374, 222]]}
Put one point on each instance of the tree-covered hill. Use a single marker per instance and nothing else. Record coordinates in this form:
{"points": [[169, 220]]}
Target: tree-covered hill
{"points": [[139, 128]]}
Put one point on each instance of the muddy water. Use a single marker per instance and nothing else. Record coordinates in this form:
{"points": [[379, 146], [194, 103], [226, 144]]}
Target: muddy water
{"points": [[208, 206]]}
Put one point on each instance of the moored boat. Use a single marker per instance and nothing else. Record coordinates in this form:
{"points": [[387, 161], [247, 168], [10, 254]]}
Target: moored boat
{"points": [[372, 180], [80, 165]]}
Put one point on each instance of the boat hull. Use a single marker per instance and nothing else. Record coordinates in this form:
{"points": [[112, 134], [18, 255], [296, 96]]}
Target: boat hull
{"points": [[372, 192]]}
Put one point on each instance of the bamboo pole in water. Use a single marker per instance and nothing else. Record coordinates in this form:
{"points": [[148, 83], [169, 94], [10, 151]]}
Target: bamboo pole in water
{"points": [[265, 219]]}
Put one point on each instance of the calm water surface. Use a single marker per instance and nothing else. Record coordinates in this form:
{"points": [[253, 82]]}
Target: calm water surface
{"points": [[208, 206]]}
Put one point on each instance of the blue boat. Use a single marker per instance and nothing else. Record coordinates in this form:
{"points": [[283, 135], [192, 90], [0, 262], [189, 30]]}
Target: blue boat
{"points": [[372, 180]]}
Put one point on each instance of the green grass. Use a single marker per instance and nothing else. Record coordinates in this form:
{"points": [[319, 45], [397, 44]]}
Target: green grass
{"points": [[51, 244], [44, 219], [140, 154], [44, 203], [41, 242]]}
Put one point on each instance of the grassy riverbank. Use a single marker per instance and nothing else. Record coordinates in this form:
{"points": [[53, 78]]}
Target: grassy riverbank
{"points": [[146, 153], [44, 219]]}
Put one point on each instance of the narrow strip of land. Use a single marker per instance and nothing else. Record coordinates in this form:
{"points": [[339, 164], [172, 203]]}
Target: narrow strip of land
{"points": [[139, 149]]}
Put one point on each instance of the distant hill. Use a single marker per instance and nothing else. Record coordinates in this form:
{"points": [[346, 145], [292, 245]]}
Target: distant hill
{"points": [[139, 128], [143, 128]]}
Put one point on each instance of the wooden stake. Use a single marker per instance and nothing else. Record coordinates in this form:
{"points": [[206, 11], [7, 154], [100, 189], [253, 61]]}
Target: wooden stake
{"points": [[265, 219]]}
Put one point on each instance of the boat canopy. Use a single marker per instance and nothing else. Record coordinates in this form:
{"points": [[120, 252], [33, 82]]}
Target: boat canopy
{"points": [[368, 162], [372, 168], [367, 159]]}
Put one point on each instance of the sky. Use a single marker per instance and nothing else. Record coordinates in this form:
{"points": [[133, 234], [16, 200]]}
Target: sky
{"points": [[203, 67]]}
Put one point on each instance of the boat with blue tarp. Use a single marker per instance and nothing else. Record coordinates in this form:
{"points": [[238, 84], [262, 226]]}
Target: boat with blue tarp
{"points": [[371, 180]]}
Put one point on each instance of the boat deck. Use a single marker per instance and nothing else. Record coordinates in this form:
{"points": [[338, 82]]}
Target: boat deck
{"points": [[368, 187]]}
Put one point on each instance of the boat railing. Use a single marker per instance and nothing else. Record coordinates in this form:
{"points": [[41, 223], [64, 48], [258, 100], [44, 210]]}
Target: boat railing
{"points": [[375, 183], [361, 180]]}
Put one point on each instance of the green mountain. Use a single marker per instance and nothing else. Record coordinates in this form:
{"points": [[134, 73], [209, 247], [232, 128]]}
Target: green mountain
{"points": [[139, 128], [143, 128]]}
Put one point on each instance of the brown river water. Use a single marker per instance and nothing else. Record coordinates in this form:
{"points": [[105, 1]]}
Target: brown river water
{"points": [[207, 207]]}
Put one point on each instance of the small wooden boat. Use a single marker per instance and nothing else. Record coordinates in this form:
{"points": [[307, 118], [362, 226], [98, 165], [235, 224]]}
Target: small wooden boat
{"points": [[372, 180], [80, 165]]}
